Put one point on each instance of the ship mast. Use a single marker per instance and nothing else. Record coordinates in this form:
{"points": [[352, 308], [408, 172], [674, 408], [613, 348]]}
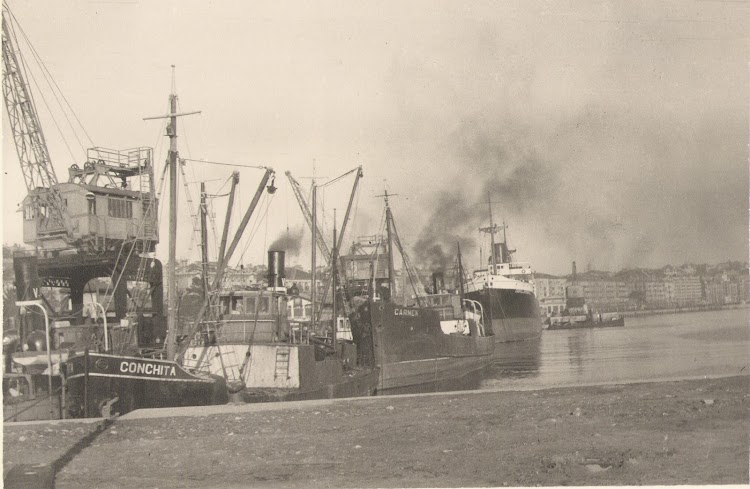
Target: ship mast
{"points": [[172, 161], [491, 229], [460, 271], [204, 241], [388, 219], [334, 257], [312, 255], [172, 276]]}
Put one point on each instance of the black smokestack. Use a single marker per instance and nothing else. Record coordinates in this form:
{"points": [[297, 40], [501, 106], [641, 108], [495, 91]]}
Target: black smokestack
{"points": [[26, 269], [574, 270], [275, 269], [438, 282]]}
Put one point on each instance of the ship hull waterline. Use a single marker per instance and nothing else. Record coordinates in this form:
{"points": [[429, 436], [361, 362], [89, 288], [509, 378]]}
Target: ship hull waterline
{"points": [[95, 380], [270, 372], [513, 314], [409, 347]]}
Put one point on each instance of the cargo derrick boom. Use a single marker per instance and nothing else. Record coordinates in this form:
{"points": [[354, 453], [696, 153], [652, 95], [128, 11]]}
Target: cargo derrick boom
{"points": [[320, 240]]}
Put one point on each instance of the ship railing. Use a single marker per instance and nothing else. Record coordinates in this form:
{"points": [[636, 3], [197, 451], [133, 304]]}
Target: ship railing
{"points": [[476, 309], [126, 158], [299, 334]]}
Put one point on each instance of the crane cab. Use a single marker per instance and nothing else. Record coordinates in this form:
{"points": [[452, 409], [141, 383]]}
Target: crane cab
{"points": [[107, 202]]}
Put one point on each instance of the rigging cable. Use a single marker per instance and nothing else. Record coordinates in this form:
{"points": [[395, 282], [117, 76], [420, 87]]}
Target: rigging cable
{"points": [[50, 77], [267, 200]]}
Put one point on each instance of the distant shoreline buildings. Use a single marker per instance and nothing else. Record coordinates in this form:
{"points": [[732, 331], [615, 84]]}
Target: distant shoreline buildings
{"points": [[644, 289], [626, 290]]}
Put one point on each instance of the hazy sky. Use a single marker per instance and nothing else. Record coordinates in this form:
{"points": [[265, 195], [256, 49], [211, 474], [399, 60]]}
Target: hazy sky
{"points": [[610, 133]]}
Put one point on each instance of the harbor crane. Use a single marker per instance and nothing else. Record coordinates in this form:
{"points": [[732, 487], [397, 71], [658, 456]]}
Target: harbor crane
{"points": [[107, 202], [36, 165], [79, 228]]}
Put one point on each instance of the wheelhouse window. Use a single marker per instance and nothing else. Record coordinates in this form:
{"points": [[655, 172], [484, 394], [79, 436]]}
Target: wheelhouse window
{"points": [[237, 305], [29, 212], [264, 306], [121, 208]]}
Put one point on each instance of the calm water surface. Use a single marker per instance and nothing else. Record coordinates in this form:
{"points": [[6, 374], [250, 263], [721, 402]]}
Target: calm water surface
{"points": [[663, 347]]}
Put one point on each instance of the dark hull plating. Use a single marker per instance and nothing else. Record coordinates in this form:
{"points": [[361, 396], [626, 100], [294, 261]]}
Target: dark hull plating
{"points": [[513, 314], [411, 349], [95, 379]]}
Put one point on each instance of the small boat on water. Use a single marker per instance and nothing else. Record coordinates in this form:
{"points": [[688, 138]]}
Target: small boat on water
{"points": [[439, 337], [577, 314], [599, 320]]}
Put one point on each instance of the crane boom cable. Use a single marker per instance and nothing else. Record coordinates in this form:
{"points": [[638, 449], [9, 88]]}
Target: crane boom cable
{"points": [[27, 129], [220, 163], [330, 182], [211, 218], [47, 77], [266, 200], [261, 218], [52, 116], [31, 145], [45, 69], [191, 208], [112, 280], [210, 213]]}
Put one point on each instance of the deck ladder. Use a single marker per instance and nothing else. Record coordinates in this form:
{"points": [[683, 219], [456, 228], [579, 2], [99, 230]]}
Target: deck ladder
{"points": [[282, 362]]}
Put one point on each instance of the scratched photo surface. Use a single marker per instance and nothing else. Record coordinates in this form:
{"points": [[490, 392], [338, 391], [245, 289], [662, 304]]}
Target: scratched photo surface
{"points": [[533, 217]]}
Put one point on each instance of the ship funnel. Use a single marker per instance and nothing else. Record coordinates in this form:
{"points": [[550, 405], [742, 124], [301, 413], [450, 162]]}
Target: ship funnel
{"points": [[276, 269], [26, 269], [502, 253], [438, 282]]}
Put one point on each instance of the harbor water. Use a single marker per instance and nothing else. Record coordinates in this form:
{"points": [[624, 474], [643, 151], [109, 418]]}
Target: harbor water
{"points": [[648, 348]]}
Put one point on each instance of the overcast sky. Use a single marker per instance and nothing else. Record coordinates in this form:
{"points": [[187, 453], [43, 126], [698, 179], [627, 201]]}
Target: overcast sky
{"points": [[610, 133]]}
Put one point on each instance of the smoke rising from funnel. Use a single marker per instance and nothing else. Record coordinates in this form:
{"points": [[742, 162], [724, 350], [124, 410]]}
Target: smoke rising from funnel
{"points": [[575, 191], [289, 241]]}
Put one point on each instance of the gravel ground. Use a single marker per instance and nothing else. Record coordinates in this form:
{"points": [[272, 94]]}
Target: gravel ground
{"points": [[40, 442], [688, 432]]}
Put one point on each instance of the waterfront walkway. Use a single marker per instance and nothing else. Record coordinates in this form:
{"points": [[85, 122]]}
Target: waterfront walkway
{"points": [[686, 432]]}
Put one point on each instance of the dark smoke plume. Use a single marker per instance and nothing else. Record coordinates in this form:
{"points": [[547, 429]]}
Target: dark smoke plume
{"points": [[575, 191], [289, 241], [506, 171], [449, 224]]}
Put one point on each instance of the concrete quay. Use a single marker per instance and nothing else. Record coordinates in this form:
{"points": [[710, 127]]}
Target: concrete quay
{"points": [[659, 433]]}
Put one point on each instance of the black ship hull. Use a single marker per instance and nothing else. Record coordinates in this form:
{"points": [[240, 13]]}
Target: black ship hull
{"points": [[95, 380], [410, 348], [513, 314]]}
